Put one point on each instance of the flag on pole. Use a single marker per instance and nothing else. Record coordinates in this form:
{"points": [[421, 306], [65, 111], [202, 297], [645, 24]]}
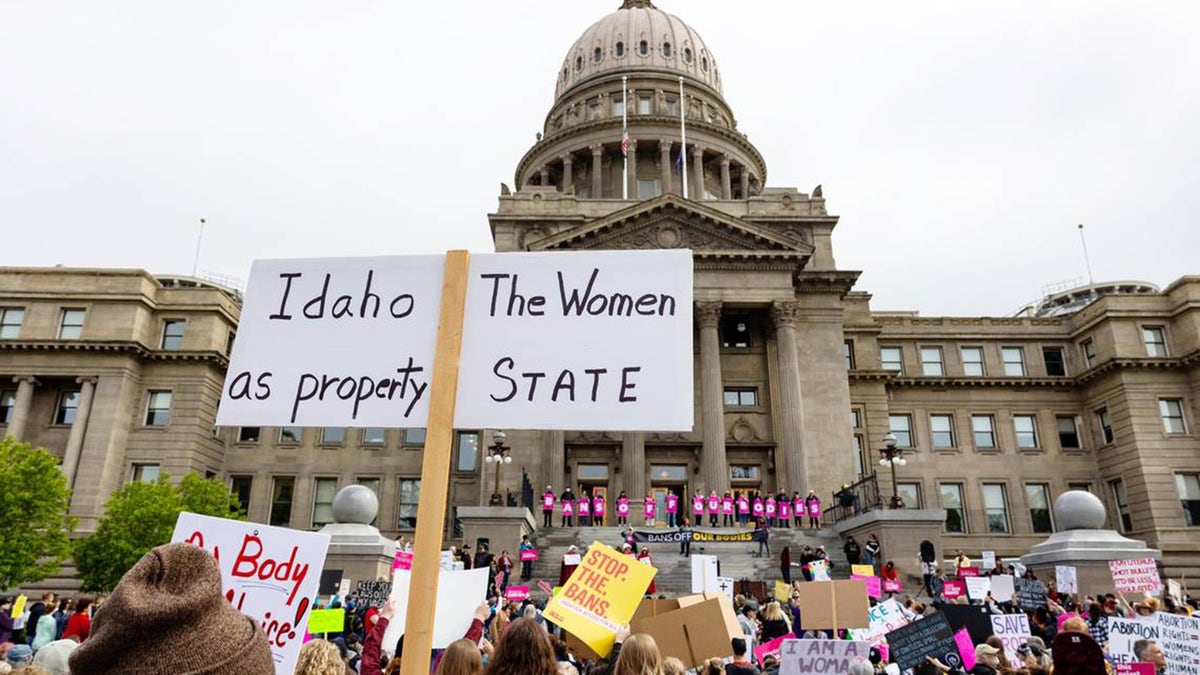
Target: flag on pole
{"points": [[679, 161], [625, 144]]}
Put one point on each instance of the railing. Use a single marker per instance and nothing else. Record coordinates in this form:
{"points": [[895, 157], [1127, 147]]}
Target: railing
{"points": [[858, 497]]}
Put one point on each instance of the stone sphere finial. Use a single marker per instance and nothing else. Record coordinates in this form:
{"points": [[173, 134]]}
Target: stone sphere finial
{"points": [[1079, 510], [355, 504]]}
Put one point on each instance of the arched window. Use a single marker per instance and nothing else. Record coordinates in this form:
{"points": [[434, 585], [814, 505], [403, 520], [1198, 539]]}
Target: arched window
{"points": [[704, 64], [578, 64], [620, 49], [687, 54], [597, 54], [644, 48], [666, 49]]}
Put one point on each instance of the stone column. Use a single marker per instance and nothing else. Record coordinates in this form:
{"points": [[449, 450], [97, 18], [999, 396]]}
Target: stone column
{"points": [[726, 185], [664, 159], [633, 463], [544, 172], [568, 179], [785, 314], [20, 416], [713, 466], [556, 456], [745, 177], [697, 186], [87, 389], [633, 169], [597, 184]]}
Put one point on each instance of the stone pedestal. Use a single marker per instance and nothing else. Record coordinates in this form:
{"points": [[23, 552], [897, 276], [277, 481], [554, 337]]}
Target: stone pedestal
{"points": [[355, 546], [502, 526], [900, 533]]}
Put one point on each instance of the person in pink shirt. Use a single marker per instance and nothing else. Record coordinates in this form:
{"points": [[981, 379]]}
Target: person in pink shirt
{"points": [[548, 507], [812, 505], [743, 508], [598, 510], [672, 509], [714, 508], [622, 509], [757, 506], [583, 506], [698, 509], [648, 509], [769, 508], [798, 510], [727, 510]]}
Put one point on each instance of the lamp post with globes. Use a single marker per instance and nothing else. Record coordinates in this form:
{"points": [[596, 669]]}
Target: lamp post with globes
{"points": [[893, 457], [497, 453]]}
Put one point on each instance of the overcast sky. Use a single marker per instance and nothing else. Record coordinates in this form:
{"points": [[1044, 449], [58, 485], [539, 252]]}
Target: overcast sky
{"points": [[960, 142]]}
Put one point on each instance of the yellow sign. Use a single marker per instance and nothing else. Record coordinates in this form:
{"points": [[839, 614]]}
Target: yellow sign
{"points": [[18, 607], [326, 621], [601, 595], [865, 570], [783, 592]]}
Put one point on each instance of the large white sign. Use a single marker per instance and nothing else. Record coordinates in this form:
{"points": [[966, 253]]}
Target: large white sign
{"points": [[268, 573], [1013, 631], [704, 574], [809, 657], [570, 340], [458, 594], [1066, 577], [885, 617]]}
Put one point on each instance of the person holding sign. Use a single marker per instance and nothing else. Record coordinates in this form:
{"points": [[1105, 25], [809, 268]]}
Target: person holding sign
{"points": [[799, 510], [769, 507], [672, 506], [785, 510], [548, 507], [743, 508], [622, 509], [568, 506], [598, 510], [528, 553], [727, 509], [698, 509], [583, 507], [756, 509], [644, 557], [648, 508]]}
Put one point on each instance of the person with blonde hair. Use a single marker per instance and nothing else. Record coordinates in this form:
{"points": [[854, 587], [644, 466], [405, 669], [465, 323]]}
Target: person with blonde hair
{"points": [[462, 657], [774, 622], [673, 666], [320, 657], [638, 655]]}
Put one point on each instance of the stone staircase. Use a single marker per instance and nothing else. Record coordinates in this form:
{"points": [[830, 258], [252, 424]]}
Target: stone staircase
{"points": [[674, 571]]}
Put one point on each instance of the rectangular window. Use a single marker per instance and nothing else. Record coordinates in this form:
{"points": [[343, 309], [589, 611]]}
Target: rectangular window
{"points": [[1056, 361], [1038, 497], [855, 419], [910, 493], [468, 452], [1155, 338], [68, 403], [415, 436], [583, 190], [1084, 487], [649, 189], [592, 471], [1014, 361], [70, 326], [984, 430], [281, 501], [1188, 485], [172, 336], [239, 486], [333, 435], [972, 358], [618, 108], [744, 472], [1026, 428], [1171, 410], [848, 354], [1068, 431], [741, 397], [410, 495], [158, 408], [11, 319], [901, 428], [249, 434], [892, 358], [942, 429], [8, 403], [644, 105], [1122, 501], [735, 332], [145, 473], [673, 472], [860, 461], [931, 362], [373, 436], [290, 435], [671, 106], [324, 490], [1089, 352], [1106, 430], [995, 505], [229, 343], [951, 495]]}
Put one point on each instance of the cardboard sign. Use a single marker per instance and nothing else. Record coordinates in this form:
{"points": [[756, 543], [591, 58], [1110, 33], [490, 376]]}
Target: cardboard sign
{"points": [[348, 342], [1002, 587], [699, 629], [815, 657], [704, 572], [975, 618], [601, 595], [953, 589], [458, 594], [882, 618], [1135, 576], [978, 587], [529, 554], [862, 570], [928, 636], [403, 561], [890, 586], [1013, 631], [834, 605], [1066, 579], [1123, 633], [264, 570], [966, 649], [373, 593], [327, 621], [516, 593]]}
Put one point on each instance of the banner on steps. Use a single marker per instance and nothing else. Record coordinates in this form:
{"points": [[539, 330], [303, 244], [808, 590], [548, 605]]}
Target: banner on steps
{"points": [[704, 536]]}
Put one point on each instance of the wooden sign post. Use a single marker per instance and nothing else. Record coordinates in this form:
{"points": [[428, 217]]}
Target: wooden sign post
{"points": [[435, 468]]}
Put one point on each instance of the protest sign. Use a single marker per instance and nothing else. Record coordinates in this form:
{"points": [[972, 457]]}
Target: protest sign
{"points": [[572, 559], [1065, 577], [600, 596], [769, 648], [723, 585], [1135, 576], [882, 618], [975, 618], [516, 593], [1013, 631], [862, 570], [1134, 669], [819, 569], [373, 593], [1002, 587], [692, 629], [403, 561], [834, 605], [448, 561], [704, 572], [783, 591], [529, 554], [1175, 589], [978, 587], [989, 560], [350, 342], [1179, 637], [953, 589], [268, 573], [874, 584], [18, 607], [1122, 633], [330, 581], [890, 586], [816, 657], [327, 621], [966, 649], [928, 636], [344, 587], [968, 572], [458, 594]]}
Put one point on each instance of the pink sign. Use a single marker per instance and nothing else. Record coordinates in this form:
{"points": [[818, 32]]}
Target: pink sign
{"points": [[1135, 668], [966, 648], [545, 588], [770, 648], [814, 509], [1135, 576], [568, 509], [529, 554], [548, 502], [964, 572], [672, 503], [954, 589], [785, 510], [874, 588], [890, 586], [516, 593], [727, 506], [403, 561], [622, 507]]}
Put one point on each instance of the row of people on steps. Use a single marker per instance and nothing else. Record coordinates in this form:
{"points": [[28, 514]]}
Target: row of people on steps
{"points": [[733, 508]]}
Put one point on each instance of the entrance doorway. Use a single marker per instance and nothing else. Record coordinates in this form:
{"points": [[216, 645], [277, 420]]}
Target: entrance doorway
{"points": [[600, 490], [668, 479]]}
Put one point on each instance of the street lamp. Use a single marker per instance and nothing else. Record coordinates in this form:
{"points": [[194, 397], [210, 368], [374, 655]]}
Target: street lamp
{"points": [[498, 454], [893, 457]]}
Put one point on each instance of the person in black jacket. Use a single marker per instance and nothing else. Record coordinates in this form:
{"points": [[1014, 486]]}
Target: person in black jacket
{"points": [[685, 537], [853, 551], [567, 497]]}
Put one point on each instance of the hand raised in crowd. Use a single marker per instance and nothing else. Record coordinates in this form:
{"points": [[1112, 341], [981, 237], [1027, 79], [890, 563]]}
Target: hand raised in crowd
{"points": [[485, 646], [483, 611], [623, 633], [388, 610]]}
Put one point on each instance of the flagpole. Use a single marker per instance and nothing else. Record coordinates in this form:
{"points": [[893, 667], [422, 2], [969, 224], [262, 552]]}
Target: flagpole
{"points": [[200, 238], [683, 137], [624, 135]]}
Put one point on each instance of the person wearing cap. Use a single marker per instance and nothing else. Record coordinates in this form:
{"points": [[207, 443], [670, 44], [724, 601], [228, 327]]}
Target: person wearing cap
{"points": [[19, 657], [748, 620], [987, 662]]}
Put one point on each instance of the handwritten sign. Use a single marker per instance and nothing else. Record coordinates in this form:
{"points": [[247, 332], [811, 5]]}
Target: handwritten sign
{"points": [[268, 573], [816, 657], [601, 595], [373, 593], [348, 342], [989, 560], [1135, 576], [1123, 633], [327, 621], [884, 618], [1179, 636], [459, 592], [1013, 631], [1002, 587], [1065, 577], [929, 636], [978, 587]]}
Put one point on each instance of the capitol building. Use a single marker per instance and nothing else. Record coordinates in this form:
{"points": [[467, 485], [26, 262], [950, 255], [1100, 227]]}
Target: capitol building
{"points": [[797, 379]]}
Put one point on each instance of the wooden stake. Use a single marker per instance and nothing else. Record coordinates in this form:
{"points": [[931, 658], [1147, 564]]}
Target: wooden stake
{"points": [[435, 468]]}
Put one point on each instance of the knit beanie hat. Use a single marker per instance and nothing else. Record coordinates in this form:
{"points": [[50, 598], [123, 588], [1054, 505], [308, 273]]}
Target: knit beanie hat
{"points": [[168, 615]]}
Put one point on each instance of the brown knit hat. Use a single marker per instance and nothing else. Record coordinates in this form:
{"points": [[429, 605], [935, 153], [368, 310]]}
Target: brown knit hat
{"points": [[168, 616]]}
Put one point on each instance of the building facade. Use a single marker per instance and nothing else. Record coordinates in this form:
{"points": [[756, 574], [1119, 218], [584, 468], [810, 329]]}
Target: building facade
{"points": [[796, 378]]}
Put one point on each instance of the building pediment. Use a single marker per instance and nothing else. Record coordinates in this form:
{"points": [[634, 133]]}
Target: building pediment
{"points": [[671, 222]]}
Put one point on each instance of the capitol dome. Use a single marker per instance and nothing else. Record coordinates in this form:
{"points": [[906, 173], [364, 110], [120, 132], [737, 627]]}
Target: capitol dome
{"points": [[638, 37]]}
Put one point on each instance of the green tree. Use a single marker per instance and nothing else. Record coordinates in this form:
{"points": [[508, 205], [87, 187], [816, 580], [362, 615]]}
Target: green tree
{"points": [[139, 517], [34, 500]]}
